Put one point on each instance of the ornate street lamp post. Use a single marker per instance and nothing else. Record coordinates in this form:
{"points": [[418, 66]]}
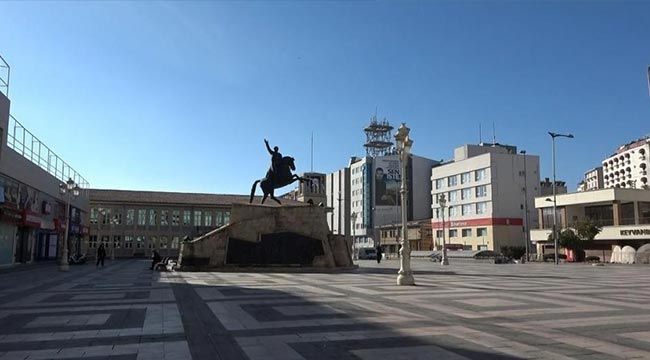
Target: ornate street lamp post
{"points": [[403, 144], [69, 190], [443, 204]]}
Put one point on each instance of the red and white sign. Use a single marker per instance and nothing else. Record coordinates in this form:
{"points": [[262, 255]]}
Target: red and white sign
{"points": [[478, 222]]}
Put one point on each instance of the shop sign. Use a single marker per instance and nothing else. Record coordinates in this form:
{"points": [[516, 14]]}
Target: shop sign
{"points": [[634, 232], [30, 219], [47, 224]]}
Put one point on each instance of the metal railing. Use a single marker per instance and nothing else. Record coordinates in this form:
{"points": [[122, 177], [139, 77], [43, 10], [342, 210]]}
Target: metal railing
{"points": [[5, 71], [30, 147]]}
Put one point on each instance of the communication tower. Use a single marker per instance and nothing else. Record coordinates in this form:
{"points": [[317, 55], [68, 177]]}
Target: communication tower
{"points": [[378, 137]]}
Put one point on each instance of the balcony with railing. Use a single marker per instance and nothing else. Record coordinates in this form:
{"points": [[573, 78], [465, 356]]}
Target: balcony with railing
{"points": [[5, 71], [30, 147]]}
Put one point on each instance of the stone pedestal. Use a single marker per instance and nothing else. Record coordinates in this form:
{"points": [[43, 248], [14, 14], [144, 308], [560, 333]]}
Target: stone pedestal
{"points": [[265, 236]]}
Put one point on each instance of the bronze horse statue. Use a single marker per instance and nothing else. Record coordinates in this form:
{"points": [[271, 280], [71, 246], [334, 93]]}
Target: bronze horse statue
{"points": [[274, 181]]}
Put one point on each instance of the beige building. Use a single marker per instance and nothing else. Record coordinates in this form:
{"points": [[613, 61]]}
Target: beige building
{"points": [[312, 190], [628, 166], [624, 215], [134, 223], [487, 188], [418, 232], [594, 179]]}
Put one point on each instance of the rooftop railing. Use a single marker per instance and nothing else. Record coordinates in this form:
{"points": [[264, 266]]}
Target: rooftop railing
{"points": [[5, 71], [29, 146]]}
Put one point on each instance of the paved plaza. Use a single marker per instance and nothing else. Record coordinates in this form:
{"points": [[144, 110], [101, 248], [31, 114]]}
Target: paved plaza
{"points": [[464, 311]]}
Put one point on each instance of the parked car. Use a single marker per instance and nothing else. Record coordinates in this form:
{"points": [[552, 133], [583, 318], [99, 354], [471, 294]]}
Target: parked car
{"points": [[367, 254], [551, 257]]}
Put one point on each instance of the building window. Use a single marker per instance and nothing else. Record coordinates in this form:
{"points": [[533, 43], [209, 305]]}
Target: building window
{"points": [[153, 217], [163, 242], [117, 241], [226, 217], [139, 242], [481, 232], [117, 218], [453, 233], [644, 212], [467, 209], [439, 183], [92, 241], [106, 216], [176, 215], [219, 218], [197, 217], [466, 193], [466, 232], [93, 216], [130, 216], [207, 218], [142, 217], [465, 177], [153, 242], [480, 174], [105, 241], [128, 242], [481, 191], [452, 180], [438, 213], [164, 217], [453, 211], [187, 217], [175, 242], [481, 208], [453, 196]]}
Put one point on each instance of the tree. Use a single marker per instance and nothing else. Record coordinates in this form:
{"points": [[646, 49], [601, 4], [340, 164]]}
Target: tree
{"points": [[587, 229]]}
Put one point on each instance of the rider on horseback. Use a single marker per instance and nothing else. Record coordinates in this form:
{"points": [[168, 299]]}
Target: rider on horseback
{"points": [[276, 159]]}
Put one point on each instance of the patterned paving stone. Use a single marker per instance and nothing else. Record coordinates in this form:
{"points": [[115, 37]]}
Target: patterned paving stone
{"points": [[464, 311]]}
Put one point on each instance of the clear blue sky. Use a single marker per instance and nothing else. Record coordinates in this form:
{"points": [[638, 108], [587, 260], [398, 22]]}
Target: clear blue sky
{"points": [[179, 96]]}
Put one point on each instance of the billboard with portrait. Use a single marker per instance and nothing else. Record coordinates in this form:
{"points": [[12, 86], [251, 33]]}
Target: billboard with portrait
{"points": [[387, 177]]}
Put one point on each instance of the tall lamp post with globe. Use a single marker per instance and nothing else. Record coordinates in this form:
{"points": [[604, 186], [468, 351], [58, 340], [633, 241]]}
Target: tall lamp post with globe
{"points": [[403, 145], [69, 190]]}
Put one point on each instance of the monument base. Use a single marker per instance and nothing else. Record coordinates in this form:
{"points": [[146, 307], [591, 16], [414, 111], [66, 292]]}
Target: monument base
{"points": [[261, 236]]}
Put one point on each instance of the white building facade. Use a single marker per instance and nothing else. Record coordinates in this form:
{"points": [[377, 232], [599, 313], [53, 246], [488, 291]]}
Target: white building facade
{"points": [[623, 214], [374, 195], [487, 188], [594, 179], [628, 167]]}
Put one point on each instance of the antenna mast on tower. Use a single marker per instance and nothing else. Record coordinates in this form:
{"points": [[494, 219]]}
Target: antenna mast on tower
{"points": [[378, 137]]}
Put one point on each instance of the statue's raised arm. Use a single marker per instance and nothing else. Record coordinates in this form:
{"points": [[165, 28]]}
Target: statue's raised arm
{"points": [[268, 148]]}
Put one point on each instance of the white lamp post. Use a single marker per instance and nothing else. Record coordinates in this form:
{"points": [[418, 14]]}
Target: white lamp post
{"points": [[353, 216], [403, 144], [555, 244], [526, 228], [69, 190], [443, 204]]}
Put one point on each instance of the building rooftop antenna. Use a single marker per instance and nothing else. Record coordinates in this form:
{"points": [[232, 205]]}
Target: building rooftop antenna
{"points": [[378, 137]]}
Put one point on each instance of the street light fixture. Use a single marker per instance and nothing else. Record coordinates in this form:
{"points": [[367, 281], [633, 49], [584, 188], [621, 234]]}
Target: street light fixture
{"points": [[555, 239], [403, 145], [526, 228], [69, 189], [442, 201]]}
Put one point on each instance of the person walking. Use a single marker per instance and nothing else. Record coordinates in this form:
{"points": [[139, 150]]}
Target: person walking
{"points": [[379, 254], [101, 255]]}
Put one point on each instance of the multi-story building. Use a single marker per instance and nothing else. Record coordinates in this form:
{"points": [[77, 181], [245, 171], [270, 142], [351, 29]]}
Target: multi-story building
{"points": [[593, 179], [624, 215], [32, 209], [374, 194], [628, 166], [418, 232], [134, 223], [337, 190], [312, 190], [546, 187], [488, 188]]}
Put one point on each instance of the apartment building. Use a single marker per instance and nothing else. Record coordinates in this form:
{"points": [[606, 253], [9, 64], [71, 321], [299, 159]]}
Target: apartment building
{"points": [[628, 166], [488, 188]]}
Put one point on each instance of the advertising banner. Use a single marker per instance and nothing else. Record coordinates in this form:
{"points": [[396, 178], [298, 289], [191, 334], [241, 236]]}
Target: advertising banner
{"points": [[387, 177]]}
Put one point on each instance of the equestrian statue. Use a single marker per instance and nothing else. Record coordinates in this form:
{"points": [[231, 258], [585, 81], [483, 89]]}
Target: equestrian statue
{"points": [[279, 174]]}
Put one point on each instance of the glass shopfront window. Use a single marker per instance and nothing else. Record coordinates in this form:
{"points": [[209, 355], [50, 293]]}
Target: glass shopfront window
{"points": [[602, 215]]}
